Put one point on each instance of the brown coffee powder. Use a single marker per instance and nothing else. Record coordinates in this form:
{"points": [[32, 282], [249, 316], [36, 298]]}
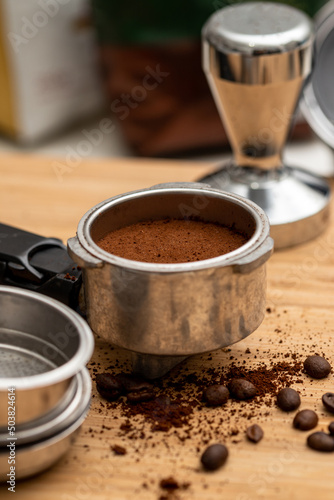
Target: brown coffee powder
{"points": [[172, 241]]}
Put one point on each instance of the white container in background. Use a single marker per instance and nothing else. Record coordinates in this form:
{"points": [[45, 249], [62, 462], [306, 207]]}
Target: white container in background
{"points": [[48, 69]]}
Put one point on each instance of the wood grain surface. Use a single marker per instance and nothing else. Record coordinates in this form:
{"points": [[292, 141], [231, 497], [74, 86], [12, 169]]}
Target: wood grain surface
{"points": [[35, 196]]}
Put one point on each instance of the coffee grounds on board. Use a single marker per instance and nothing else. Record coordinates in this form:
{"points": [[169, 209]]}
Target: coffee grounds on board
{"points": [[178, 400]]}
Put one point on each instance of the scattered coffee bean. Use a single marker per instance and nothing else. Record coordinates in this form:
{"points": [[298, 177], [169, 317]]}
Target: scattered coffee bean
{"points": [[254, 433], [288, 399], [214, 456], [305, 420], [169, 484], [118, 450], [140, 396], [317, 367], [241, 388], [216, 395], [321, 441], [108, 386], [111, 387], [132, 383], [331, 428], [137, 388], [328, 401]]}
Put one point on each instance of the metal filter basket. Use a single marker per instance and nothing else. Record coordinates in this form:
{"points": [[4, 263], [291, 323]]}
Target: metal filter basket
{"points": [[43, 345], [40, 444]]}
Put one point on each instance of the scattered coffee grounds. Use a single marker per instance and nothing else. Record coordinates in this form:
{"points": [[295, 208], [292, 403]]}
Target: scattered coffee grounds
{"points": [[242, 389], [317, 367], [172, 241], [254, 433], [288, 399], [108, 386], [305, 420], [68, 276], [267, 379], [171, 485], [331, 428], [179, 411], [320, 441], [216, 395], [328, 401], [214, 456], [176, 400], [162, 412], [118, 450]]}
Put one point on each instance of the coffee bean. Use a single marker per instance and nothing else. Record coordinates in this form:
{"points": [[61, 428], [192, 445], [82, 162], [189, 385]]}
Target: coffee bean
{"points": [[108, 386], [140, 396], [305, 420], [331, 428], [321, 441], [241, 388], [328, 401], [288, 399], [254, 433], [118, 450], [317, 367], [216, 395], [133, 383], [169, 484], [214, 456], [137, 388]]}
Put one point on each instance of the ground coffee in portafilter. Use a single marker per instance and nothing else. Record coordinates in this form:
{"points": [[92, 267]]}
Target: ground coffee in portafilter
{"points": [[172, 241]]}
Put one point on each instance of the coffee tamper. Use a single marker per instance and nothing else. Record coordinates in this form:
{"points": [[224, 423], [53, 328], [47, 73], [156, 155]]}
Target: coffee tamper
{"points": [[257, 57]]}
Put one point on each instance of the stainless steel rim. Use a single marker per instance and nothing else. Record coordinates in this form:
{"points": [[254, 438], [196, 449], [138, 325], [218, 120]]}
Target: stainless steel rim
{"points": [[69, 368], [259, 236]]}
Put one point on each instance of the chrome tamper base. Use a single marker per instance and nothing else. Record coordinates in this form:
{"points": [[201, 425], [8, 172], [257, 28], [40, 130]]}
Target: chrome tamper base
{"points": [[256, 57]]}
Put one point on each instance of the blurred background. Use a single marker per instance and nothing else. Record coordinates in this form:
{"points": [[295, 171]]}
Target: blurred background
{"points": [[94, 78]]}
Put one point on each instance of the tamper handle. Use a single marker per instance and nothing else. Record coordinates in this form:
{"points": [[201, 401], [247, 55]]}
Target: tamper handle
{"points": [[256, 56]]}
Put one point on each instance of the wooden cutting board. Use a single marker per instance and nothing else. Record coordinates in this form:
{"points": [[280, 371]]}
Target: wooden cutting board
{"points": [[47, 197]]}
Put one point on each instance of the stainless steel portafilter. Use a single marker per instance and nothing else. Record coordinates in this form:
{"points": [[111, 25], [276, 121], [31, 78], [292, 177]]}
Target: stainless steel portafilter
{"points": [[256, 57]]}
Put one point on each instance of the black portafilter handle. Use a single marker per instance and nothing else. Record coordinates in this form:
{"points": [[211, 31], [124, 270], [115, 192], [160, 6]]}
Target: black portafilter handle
{"points": [[39, 264]]}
